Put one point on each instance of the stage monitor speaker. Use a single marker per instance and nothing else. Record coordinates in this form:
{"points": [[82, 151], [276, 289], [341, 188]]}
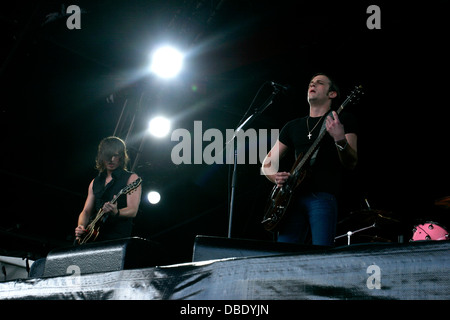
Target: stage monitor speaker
{"points": [[105, 256], [211, 248]]}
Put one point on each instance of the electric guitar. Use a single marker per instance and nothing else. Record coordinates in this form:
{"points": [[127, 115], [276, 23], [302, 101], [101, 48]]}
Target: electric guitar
{"points": [[280, 197], [93, 228]]}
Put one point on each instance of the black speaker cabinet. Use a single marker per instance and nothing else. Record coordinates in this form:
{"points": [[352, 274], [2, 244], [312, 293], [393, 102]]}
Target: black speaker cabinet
{"points": [[210, 248], [105, 256]]}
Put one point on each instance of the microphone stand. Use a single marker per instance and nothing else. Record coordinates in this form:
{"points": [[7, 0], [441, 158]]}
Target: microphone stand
{"points": [[257, 111]]}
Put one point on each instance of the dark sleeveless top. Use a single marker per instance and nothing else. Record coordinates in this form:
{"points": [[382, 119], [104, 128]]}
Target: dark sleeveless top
{"points": [[114, 227]]}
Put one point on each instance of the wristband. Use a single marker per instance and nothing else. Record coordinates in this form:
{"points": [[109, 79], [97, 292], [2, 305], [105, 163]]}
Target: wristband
{"points": [[341, 148]]}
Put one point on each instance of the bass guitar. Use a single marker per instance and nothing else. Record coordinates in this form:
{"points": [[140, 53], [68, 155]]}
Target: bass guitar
{"points": [[280, 197], [93, 228]]}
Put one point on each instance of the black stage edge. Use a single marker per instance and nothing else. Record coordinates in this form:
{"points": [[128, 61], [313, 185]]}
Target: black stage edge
{"points": [[209, 248], [376, 271]]}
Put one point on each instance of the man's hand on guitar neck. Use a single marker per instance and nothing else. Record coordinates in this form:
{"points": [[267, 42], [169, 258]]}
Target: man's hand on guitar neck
{"points": [[111, 208], [280, 178]]}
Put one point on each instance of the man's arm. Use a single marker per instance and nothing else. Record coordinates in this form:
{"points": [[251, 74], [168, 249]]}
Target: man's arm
{"points": [[85, 215], [133, 200], [271, 164], [346, 144], [347, 150]]}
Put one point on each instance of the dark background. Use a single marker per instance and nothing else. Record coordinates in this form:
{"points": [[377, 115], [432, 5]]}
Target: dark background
{"points": [[64, 90]]}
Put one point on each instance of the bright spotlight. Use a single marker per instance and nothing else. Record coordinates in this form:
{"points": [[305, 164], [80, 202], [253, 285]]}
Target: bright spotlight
{"points": [[153, 197], [166, 62], [159, 127]]}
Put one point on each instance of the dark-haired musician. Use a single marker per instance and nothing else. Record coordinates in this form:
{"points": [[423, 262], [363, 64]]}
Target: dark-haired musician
{"points": [[111, 162], [314, 206]]}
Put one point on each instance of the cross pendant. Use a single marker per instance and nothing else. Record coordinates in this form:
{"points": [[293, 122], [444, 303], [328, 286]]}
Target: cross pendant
{"points": [[309, 136]]}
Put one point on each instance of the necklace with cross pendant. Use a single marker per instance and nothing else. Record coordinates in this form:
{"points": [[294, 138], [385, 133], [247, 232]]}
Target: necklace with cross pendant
{"points": [[307, 125]]}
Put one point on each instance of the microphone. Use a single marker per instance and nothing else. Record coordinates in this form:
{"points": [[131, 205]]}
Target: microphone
{"points": [[279, 86]]}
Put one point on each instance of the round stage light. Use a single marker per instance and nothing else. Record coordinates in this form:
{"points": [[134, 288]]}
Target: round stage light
{"points": [[153, 197], [159, 126], [167, 62]]}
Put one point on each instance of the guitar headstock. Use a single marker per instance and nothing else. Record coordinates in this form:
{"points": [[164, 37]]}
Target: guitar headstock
{"points": [[356, 94], [132, 186], [128, 189], [353, 97]]}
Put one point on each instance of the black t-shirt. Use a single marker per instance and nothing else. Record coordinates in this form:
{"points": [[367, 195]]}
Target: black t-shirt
{"points": [[326, 173]]}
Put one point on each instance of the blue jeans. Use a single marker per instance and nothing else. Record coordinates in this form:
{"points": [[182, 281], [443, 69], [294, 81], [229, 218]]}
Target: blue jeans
{"points": [[312, 211]]}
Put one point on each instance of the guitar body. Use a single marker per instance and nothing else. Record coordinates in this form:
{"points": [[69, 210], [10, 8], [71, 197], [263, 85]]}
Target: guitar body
{"points": [[93, 230], [280, 197]]}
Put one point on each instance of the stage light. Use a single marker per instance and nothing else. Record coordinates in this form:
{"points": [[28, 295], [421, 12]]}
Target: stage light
{"points": [[153, 197], [167, 62], [159, 126]]}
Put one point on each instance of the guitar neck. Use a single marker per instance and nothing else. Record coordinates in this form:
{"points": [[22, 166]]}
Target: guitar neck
{"points": [[316, 143], [116, 197]]}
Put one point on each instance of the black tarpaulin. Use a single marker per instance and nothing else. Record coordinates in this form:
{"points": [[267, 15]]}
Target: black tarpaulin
{"points": [[410, 271]]}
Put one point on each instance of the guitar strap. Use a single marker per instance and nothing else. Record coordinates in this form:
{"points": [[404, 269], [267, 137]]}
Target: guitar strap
{"points": [[322, 128]]}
